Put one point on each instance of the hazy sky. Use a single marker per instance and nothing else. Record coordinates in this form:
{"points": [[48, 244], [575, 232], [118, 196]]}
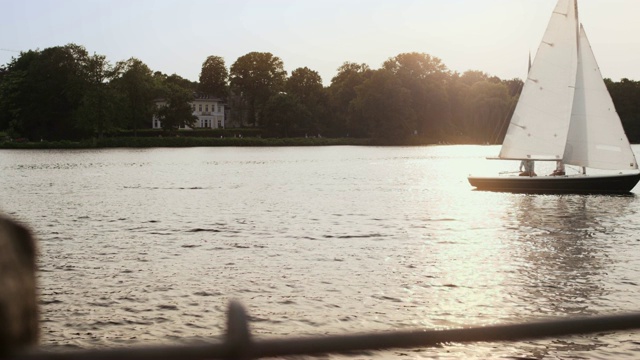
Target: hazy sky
{"points": [[176, 36]]}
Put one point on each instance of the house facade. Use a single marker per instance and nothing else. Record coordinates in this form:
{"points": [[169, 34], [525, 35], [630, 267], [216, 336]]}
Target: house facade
{"points": [[209, 110]]}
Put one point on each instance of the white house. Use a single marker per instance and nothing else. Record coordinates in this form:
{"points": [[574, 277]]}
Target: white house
{"points": [[209, 110]]}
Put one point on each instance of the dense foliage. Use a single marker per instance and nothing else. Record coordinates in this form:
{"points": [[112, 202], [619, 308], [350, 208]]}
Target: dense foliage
{"points": [[65, 93], [214, 77]]}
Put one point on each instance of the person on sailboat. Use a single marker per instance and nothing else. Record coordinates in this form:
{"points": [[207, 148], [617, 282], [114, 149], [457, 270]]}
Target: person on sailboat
{"points": [[559, 169], [527, 168]]}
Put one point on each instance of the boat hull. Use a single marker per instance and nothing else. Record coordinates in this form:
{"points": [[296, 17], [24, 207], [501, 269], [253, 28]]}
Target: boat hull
{"points": [[576, 184]]}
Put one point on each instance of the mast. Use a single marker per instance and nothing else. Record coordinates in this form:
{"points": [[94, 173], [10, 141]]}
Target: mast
{"points": [[575, 4]]}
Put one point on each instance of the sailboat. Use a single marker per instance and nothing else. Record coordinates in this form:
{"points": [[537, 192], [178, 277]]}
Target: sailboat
{"points": [[565, 114]]}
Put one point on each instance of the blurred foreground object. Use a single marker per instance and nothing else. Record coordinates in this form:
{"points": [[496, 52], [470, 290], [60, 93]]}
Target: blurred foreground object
{"points": [[18, 305]]}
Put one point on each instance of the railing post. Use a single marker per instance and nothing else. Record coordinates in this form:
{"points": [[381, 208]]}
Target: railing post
{"points": [[238, 338]]}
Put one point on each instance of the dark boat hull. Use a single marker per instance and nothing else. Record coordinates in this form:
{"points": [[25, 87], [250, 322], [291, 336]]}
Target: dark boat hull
{"points": [[577, 184]]}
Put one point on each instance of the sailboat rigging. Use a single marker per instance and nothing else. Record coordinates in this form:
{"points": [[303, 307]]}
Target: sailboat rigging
{"points": [[565, 113]]}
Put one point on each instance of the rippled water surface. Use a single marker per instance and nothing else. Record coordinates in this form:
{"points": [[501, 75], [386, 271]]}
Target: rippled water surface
{"points": [[148, 246]]}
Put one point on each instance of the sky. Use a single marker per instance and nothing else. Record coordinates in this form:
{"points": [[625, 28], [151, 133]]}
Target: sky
{"points": [[176, 36]]}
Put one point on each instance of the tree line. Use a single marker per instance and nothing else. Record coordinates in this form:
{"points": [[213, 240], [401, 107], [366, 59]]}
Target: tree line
{"points": [[65, 93]]}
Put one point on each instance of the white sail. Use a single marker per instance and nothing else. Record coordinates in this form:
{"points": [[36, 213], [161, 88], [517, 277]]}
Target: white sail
{"points": [[540, 123], [596, 138], [566, 113]]}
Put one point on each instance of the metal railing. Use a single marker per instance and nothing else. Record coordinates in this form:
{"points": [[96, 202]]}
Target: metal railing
{"points": [[239, 344]]}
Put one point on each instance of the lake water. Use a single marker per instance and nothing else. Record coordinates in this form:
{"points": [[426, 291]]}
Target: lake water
{"points": [[147, 246]]}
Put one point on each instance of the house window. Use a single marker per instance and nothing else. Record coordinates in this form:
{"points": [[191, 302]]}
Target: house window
{"points": [[200, 107], [219, 124], [206, 107]]}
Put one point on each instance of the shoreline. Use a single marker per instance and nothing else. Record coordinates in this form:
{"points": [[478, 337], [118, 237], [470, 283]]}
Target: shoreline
{"points": [[149, 142]]}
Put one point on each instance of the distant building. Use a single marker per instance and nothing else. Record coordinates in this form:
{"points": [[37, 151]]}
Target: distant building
{"points": [[209, 110]]}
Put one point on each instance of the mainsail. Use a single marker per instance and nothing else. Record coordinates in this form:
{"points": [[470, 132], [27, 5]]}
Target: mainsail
{"points": [[540, 123]]}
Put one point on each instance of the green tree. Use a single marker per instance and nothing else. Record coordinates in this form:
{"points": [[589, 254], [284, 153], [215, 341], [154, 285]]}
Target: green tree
{"points": [[425, 77], [454, 130], [176, 112], [283, 115], [162, 80], [480, 110], [514, 86], [487, 106], [255, 77], [214, 77], [383, 108], [96, 113], [626, 98], [43, 89], [306, 85], [138, 89], [12, 97], [342, 92], [471, 77]]}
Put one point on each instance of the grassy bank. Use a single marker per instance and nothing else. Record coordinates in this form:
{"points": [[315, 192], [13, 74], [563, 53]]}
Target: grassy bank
{"points": [[146, 142]]}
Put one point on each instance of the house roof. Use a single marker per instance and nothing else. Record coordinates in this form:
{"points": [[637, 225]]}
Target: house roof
{"points": [[203, 96], [199, 97]]}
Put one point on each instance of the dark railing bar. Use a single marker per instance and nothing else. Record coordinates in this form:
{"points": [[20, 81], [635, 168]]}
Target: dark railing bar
{"points": [[430, 338], [238, 343]]}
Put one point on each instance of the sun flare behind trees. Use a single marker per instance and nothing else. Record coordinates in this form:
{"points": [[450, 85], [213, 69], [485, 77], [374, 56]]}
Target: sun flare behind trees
{"points": [[65, 93]]}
